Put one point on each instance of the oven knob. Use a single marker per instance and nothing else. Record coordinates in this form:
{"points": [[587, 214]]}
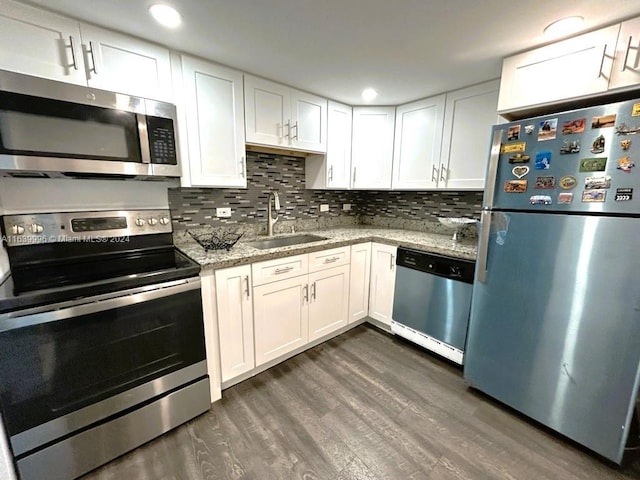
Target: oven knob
{"points": [[139, 222], [36, 228], [17, 229], [164, 220], [152, 221]]}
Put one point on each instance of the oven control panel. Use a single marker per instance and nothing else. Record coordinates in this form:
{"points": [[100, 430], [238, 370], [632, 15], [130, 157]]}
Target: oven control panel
{"points": [[32, 229]]}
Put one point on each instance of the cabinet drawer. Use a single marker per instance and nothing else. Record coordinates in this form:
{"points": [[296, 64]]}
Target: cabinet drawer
{"points": [[279, 269], [333, 257]]}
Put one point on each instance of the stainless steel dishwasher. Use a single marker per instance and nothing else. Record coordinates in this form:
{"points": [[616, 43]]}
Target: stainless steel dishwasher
{"points": [[432, 301]]}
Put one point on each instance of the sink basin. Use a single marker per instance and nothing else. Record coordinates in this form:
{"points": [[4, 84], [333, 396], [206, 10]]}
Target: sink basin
{"points": [[276, 242]]}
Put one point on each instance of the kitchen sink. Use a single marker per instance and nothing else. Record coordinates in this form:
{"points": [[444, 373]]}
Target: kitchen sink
{"points": [[276, 242]]}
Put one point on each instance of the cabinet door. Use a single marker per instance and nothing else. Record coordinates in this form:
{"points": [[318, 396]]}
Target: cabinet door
{"points": [[328, 301], [383, 280], [280, 312], [124, 64], [417, 144], [372, 147], [308, 122], [215, 124], [39, 43], [235, 320], [469, 115], [626, 66], [568, 69], [359, 279], [267, 112], [333, 170]]}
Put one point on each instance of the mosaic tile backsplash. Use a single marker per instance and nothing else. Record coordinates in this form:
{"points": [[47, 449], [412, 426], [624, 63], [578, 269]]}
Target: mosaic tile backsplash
{"points": [[300, 208]]}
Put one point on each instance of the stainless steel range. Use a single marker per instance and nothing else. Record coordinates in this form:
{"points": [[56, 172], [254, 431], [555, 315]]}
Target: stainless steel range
{"points": [[101, 338]]}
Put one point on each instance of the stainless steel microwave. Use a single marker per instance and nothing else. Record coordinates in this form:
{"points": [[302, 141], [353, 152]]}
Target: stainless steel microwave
{"points": [[54, 129]]}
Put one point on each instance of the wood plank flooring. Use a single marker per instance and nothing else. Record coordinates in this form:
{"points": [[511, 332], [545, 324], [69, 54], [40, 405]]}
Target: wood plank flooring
{"points": [[364, 405]]}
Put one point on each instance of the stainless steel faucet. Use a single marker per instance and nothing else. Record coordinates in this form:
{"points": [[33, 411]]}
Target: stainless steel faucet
{"points": [[272, 220]]}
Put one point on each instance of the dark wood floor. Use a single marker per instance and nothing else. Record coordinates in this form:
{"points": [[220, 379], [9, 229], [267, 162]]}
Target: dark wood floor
{"points": [[364, 405]]}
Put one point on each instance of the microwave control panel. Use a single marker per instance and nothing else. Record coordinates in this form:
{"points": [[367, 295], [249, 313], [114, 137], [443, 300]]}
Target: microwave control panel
{"points": [[162, 142]]}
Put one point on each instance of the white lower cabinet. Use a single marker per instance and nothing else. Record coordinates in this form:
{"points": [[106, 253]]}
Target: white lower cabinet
{"points": [[280, 317], [328, 301], [359, 281], [235, 320], [383, 279]]}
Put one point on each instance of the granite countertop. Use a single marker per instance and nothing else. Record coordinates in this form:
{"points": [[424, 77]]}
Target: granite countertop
{"points": [[242, 254]]}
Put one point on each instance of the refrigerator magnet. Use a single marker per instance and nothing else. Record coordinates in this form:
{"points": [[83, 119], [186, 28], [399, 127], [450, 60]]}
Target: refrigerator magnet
{"points": [[513, 133], [567, 182], [624, 129], [598, 144], [540, 200], [528, 129], [624, 194], [594, 196], [547, 129], [513, 147], [519, 158], [626, 164], [515, 186], [565, 197], [603, 121], [545, 183], [625, 144], [543, 160], [593, 164], [570, 147], [520, 171], [593, 183], [635, 110], [574, 126]]}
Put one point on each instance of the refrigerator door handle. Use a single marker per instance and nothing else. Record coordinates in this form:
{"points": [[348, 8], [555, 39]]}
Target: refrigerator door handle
{"points": [[483, 246], [492, 170]]}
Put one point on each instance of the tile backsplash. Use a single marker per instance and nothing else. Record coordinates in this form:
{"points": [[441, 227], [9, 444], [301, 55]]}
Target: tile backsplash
{"points": [[196, 207]]}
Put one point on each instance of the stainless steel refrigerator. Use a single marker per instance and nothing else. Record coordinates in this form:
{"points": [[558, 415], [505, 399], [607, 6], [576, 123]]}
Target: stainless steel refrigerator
{"points": [[555, 316]]}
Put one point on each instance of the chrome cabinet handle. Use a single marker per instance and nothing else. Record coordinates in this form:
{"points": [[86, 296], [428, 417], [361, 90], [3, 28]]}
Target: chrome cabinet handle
{"points": [[393, 262], [354, 175], [73, 52], [313, 291], [278, 271], [331, 260], [305, 295], [242, 168], [626, 54], [331, 173], [246, 279], [604, 54], [443, 171], [434, 174], [296, 127], [93, 57]]}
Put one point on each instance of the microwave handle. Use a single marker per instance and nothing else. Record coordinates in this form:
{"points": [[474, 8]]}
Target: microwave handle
{"points": [[143, 133]]}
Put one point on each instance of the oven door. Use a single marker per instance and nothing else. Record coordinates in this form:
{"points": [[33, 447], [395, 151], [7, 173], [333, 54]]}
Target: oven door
{"points": [[66, 367]]}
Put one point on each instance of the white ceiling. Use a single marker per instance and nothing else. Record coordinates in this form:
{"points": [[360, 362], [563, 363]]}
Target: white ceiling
{"points": [[406, 49]]}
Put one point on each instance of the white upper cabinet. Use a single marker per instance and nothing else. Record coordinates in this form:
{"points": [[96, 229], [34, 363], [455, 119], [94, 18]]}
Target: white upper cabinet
{"points": [[372, 147], [572, 68], [282, 117], [39, 43], [333, 170], [469, 115], [214, 113], [418, 139], [127, 65], [626, 67]]}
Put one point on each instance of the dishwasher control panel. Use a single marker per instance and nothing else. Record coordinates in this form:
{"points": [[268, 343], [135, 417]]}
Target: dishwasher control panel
{"points": [[440, 265]]}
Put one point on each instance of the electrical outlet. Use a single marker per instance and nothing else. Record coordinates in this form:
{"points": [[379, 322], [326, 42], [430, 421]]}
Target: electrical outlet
{"points": [[324, 207], [223, 212], [346, 206]]}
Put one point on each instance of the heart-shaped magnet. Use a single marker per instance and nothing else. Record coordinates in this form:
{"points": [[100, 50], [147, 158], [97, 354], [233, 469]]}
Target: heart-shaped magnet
{"points": [[520, 171]]}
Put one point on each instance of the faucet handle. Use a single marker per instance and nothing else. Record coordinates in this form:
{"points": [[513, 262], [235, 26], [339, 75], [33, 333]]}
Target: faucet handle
{"points": [[276, 200]]}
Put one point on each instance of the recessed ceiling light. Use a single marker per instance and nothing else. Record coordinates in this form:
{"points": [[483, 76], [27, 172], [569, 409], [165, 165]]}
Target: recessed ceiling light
{"points": [[564, 26], [165, 15], [369, 94]]}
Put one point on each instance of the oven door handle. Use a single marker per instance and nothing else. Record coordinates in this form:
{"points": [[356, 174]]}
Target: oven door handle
{"points": [[86, 306]]}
